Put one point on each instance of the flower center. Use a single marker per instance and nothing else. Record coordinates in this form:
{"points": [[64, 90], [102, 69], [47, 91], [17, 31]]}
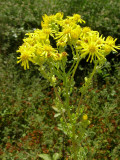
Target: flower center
{"points": [[66, 31], [25, 57], [48, 48], [92, 48], [86, 29]]}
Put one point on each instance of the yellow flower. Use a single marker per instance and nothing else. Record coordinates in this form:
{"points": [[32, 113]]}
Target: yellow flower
{"points": [[47, 31], [27, 53], [41, 36], [51, 22], [85, 117], [66, 23], [87, 43], [107, 49], [92, 49], [75, 33], [47, 51], [46, 21], [59, 16], [63, 36], [61, 43], [111, 43], [91, 46], [24, 58], [76, 18], [86, 30], [68, 34]]}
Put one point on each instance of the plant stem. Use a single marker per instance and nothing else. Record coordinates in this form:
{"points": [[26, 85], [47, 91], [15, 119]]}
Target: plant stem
{"points": [[74, 144], [74, 70]]}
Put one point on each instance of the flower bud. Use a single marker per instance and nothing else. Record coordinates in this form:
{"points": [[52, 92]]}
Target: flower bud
{"points": [[85, 117]]}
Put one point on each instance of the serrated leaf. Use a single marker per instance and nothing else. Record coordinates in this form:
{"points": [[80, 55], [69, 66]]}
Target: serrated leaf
{"points": [[56, 156], [45, 156]]}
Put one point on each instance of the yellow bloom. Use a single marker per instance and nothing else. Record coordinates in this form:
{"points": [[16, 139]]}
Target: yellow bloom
{"points": [[87, 43], [76, 18], [86, 30], [46, 21], [111, 43], [64, 36], [85, 117], [52, 22], [59, 16], [27, 53], [41, 36], [24, 58], [46, 31], [89, 46], [107, 49], [68, 34], [61, 42], [75, 35], [66, 23], [49, 52]]}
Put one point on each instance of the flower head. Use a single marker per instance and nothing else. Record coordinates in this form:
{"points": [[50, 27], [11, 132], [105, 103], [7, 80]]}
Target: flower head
{"points": [[27, 53], [85, 117], [110, 45], [90, 46], [84, 42], [76, 18]]}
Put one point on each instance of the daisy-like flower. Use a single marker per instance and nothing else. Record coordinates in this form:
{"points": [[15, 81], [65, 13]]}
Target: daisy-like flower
{"points": [[75, 34], [67, 22], [27, 53], [107, 49], [86, 32], [64, 36], [110, 44], [91, 47], [47, 51], [51, 22], [68, 34], [41, 36], [76, 18], [59, 16]]}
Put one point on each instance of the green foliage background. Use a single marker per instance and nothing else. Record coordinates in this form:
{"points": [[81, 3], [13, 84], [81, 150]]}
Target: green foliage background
{"points": [[26, 99]]}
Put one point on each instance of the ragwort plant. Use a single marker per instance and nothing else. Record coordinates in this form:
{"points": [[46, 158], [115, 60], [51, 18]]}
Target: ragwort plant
{"points": [[52, 61]]}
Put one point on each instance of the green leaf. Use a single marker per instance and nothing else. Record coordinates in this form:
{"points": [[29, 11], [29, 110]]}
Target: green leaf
{"points": [[57, 115], [56, 156], [56, 109], [45, 156]]}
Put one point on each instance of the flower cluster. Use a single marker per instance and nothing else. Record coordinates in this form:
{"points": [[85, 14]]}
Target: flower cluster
{"points": [[37, 47]]}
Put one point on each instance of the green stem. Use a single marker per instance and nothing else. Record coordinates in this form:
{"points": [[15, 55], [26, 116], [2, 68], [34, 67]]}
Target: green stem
{"points": [[56, 93], [86, 85], [74, 70], [69, 72], [67, 102], [74, 144]]}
